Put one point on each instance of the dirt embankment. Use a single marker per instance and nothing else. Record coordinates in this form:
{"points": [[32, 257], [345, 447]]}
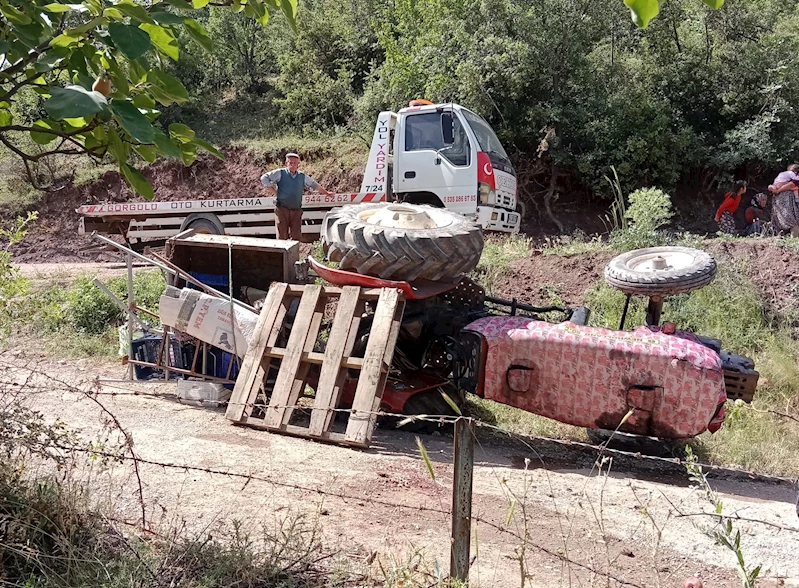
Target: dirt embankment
{"points": [[54, 236], [773, 268], [54, 239]]}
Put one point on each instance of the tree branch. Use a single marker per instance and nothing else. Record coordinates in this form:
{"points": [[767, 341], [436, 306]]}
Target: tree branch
{"points": [[44, 130], [10, 72]]}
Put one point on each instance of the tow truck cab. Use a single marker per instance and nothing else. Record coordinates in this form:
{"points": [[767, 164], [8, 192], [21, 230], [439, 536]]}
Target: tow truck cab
{"points": [[447, 156]]}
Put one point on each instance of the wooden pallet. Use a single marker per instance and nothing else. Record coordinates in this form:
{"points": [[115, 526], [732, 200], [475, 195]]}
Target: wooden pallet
{"points": [[292, 362]]}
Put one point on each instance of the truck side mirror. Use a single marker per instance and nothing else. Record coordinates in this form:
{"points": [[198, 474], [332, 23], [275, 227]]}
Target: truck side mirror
{"points": [[447, 128]]}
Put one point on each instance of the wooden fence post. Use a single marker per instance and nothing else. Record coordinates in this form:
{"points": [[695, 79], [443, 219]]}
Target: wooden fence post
{"points": [[462, 499]]}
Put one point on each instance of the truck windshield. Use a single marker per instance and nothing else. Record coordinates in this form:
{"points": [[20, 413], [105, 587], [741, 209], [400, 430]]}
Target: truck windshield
{"points": [[486, 137]]}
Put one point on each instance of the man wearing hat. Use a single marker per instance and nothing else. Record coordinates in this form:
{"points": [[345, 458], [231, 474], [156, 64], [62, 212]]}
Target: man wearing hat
{"points": [[288, 185]]}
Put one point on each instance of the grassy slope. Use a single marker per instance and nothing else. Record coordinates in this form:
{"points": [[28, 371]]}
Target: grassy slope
{"points": [[758, 436]]}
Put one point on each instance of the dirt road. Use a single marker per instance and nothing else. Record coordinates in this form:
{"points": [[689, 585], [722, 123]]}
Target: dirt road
{"points": [[383, 502]]}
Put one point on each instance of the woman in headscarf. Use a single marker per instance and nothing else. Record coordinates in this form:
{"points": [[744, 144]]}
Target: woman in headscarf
{"points": [[724, 214], [785, 209], [756, 215]]}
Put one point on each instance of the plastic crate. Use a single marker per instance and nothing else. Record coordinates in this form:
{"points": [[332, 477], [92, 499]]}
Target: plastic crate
{"points": [[146, 349], [218, 363], [214, 280]]}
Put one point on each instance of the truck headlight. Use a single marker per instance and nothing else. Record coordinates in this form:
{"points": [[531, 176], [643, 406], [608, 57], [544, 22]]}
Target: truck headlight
{"points": [[488, 195]]}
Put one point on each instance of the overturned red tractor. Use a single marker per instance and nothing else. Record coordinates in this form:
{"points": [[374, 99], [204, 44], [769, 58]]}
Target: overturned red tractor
{"points": [[652, 381]]}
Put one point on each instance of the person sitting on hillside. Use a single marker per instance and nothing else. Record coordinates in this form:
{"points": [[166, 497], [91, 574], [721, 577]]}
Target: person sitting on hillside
{"points": [[724, 214], [756, 215]]}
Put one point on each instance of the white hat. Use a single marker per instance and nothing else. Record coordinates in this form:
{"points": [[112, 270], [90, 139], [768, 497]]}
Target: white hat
{"points": [[292, 155]]}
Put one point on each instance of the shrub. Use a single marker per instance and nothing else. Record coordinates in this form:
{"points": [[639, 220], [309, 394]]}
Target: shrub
{"points": [[649, 210], [12, 283], [89, 309]]}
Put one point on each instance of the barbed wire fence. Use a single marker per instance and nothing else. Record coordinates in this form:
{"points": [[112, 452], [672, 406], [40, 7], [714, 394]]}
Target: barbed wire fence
{"points": [[30, 380]]}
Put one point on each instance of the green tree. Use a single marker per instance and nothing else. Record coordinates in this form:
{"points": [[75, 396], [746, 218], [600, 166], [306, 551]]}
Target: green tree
{"points": [[101, 70]]}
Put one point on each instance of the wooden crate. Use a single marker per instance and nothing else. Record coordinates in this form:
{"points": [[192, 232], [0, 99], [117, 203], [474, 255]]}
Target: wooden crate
{"points": [[292, 361], [257, 263]]}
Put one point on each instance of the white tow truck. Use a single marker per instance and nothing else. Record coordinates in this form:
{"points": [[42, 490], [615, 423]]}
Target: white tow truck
{"points": [[438, 154]]}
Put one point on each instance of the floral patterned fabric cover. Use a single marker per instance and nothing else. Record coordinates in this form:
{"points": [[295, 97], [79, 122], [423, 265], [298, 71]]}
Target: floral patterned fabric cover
{"points": [[592, 377]]}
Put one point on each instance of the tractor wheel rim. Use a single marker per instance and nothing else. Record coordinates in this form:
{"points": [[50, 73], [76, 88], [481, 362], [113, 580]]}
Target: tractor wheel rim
{"points": [[650, 263]]}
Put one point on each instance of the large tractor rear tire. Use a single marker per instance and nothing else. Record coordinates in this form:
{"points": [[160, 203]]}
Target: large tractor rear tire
{"points": [[402, 241]]}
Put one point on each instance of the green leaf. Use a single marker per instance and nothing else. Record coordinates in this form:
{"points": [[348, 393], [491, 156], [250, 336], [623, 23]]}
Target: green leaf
{"points": [[84, 80], [181, 132], [188, 153], [167, 146], [57, 8], [715, 4], [199, 3], [113, 13], [143, 101], [137, 72], [77, 62], [77, 123], [92, 143], [131, 40], [42, 138], [49, 59], [258, 10], [642, 11], [5, 118], [163, 39], [73, 102], [148, 152], [87, 26], [290, 10], [64, 40], [198, 33], [119, 78], [134, 11], [166, 89], [208, 147], [133, 121], [95, 6], [137, 181], [14, 15], [163, 17]]}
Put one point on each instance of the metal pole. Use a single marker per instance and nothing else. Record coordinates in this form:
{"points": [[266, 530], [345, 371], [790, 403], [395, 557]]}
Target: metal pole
{"points": [[174, 270], [624, 312], [129, 260], [144, 326], [654, 310], [462, 499]]}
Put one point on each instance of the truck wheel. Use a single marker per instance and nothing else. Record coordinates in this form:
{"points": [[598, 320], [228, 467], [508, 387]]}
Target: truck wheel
{"points": [[204, 224], [660, 271], [402, 241]]}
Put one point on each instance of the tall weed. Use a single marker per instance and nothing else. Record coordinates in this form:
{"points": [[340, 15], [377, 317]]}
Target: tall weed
{"points": [[649, 210]]}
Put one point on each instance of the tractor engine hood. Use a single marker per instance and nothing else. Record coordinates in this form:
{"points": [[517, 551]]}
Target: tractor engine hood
{"points": [[593, 377]]}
